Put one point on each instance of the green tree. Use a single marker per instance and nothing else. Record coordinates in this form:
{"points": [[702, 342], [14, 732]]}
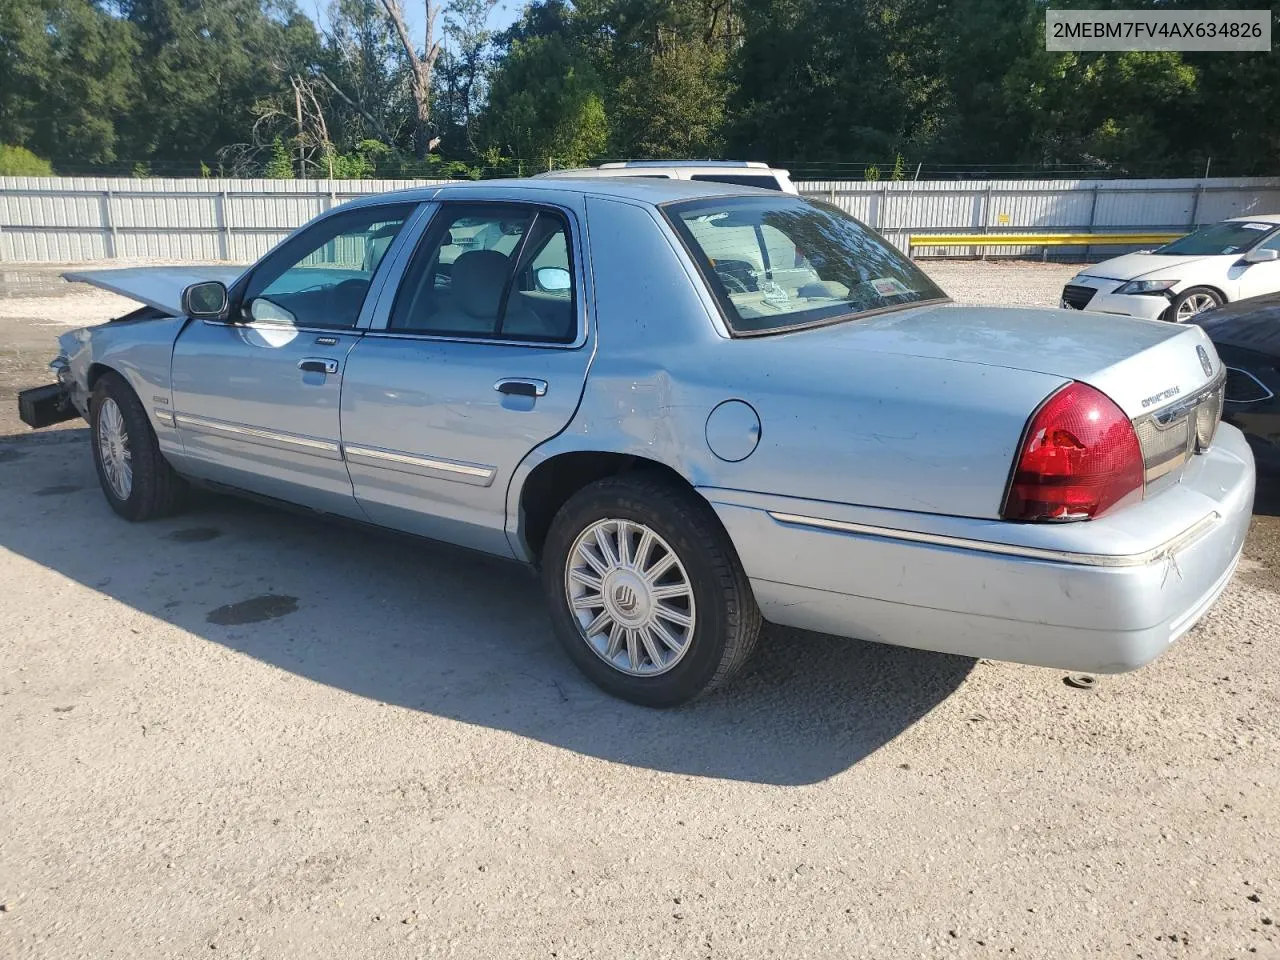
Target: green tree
{"points": [[67, 73], [464, 67], [545, 104], [206, 65], [21, 162], [364, 68], [280, 165]]}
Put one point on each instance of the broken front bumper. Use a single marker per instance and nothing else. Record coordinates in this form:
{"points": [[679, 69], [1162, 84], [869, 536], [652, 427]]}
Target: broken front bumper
{"points": [[45, 406]]}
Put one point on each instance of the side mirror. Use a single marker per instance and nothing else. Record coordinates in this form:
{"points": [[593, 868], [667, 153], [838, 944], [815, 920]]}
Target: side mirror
{"points": [[1261, 256], [206, 300], [553, 279]]}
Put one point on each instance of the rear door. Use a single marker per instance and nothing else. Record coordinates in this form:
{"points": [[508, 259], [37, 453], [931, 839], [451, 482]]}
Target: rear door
{"points": [[256, 398], [478, 356]]}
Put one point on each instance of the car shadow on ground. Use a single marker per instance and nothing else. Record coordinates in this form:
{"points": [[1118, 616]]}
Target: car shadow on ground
{"points": [[432, 628]]}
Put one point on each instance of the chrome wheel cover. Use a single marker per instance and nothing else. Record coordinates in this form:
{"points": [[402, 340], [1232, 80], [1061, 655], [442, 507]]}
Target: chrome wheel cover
{"points": [[1194, 304], [113, 449], [631, 597]]}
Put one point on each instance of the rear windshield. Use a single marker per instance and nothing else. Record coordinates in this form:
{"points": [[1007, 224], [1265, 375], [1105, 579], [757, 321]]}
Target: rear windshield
{"points": [[740, 180], [776, 263], [1226, 238]]}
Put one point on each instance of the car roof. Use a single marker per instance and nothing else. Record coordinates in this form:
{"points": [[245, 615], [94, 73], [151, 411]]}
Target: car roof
{"points": [[695, 164], [641, 189], [1260, 218]]}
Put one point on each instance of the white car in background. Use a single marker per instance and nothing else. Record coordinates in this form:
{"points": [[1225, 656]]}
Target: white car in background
{"points": [[1231, 260], [740, 173]]}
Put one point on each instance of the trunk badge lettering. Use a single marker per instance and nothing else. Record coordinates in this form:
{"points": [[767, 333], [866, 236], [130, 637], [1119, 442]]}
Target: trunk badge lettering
{"points": [[1162, 395]]}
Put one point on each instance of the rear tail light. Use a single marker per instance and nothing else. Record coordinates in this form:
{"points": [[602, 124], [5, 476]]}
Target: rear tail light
{"points": [[1080, 458]]}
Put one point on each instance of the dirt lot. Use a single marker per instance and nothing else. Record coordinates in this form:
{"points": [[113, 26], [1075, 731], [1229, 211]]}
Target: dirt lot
{"points": [[400, 762]]}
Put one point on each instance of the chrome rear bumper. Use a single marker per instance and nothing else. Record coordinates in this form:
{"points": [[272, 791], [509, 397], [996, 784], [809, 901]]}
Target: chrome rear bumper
{"points": [[1041, 595]]}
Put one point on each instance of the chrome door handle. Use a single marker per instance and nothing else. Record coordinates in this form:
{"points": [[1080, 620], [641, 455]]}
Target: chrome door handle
{"points": [[521, 387], [318, 365]]}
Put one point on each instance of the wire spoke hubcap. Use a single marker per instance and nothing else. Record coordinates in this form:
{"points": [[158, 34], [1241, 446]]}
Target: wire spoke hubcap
{"points": [[1193, 305], [631, 597], [113, 449]]}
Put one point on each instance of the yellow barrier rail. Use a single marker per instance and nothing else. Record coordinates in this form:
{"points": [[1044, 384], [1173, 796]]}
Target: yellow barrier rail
{"points": [[1036, 239]]}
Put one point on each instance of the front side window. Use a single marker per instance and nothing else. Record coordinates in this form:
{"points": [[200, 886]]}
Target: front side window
{"points": [[1222, 239], [320, 277], [490, 271], [776, 263]]}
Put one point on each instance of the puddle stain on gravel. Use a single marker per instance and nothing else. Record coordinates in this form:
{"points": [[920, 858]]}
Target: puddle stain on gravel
{"points": [[254, 610], [194, 535], [57, 490]]}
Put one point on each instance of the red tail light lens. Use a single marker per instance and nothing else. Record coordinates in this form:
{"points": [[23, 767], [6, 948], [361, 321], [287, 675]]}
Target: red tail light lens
{"points": [[1080, 458]]}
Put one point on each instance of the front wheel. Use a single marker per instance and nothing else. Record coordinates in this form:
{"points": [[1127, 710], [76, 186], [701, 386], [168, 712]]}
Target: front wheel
{"points": [[646, 591], [137, 480], [1192, 301]]}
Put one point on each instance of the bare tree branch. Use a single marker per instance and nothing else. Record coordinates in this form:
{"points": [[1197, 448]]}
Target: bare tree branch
{"points": [[420, 68], [373, 122]]}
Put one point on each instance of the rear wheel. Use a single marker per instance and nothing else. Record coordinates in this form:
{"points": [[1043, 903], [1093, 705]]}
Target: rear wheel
{"points": [[135, 477], [1192, 301], [646, 591]]}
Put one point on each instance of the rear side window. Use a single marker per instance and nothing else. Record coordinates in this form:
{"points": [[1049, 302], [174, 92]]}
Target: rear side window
{"points": [[777, 263], [740, 180], [490, 271]]}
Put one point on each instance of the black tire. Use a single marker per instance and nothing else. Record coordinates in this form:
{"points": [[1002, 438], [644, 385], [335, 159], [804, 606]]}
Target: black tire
{"points": [[728, 621], [156, 489], [1197, 292]]}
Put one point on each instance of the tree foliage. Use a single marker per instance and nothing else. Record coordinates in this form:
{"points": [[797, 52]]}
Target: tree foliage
{"points": [[385, 88], [21, 162]]}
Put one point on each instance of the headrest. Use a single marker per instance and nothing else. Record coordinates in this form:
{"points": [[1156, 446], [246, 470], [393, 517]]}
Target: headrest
{"points": [[477, 280]]}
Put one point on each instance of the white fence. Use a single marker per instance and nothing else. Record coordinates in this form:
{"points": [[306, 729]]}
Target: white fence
{"points": [[72, 219], [899, 210]]}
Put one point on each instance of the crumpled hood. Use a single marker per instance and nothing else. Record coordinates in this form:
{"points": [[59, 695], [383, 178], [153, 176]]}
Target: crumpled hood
{"points": [[1133, 266], [159, 287]]}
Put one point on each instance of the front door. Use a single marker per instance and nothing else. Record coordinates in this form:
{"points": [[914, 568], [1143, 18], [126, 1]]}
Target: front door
{"points": [[256, 398], [1255, 279], [481, 356]]}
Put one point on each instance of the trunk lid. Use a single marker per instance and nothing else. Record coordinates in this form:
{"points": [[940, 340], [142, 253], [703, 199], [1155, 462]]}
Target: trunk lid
{"points": [[1143, 365], [159, 287]]}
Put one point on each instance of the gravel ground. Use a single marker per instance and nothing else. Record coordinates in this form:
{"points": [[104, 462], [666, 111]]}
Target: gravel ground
{"points": [[397, 762]]}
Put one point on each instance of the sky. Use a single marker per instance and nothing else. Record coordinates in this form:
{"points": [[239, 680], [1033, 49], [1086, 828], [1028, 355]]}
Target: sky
{"points": [[503, 15]]}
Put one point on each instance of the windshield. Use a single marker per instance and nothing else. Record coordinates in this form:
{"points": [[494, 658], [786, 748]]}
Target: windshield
{"points": [[1221, 239], [776, 263]]}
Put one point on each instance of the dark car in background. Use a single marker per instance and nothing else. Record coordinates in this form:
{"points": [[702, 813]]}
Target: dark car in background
{"points": [[1247, 336]]}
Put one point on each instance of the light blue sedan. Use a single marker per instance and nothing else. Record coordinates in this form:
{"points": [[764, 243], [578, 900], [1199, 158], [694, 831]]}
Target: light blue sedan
{"points": [[694, 408]]}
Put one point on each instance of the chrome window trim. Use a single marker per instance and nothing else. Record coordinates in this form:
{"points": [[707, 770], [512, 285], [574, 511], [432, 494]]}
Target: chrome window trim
{"points": [[477, 474], [255, 434], [352, 332], [1168, 548], [488, 341], [381, 318]]}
